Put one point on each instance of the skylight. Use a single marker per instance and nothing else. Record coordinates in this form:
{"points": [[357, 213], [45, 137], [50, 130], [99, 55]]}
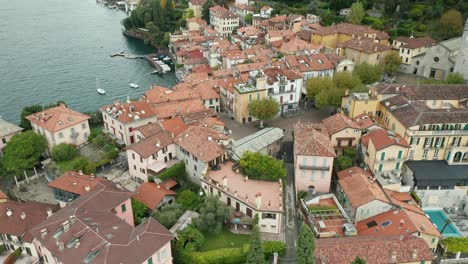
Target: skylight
{"points": [[386, 223]]}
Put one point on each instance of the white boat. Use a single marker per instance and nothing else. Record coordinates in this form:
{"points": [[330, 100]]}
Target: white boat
{"points": [[101, 91], [167, 59], [133, 85]]}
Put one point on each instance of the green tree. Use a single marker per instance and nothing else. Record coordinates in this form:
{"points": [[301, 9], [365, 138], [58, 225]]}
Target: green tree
{"points": [[23, 151], [188, 13], [306, 246], [455, 78], [451, 23], [206, 10], [262, 167], [343, 162], [213, 213], [358, 260], [356, 13], [255, 255], [368, 73], [248, 19], [169, 214], [390, 7], [188, 199], [29, 110], [346, 81], [190, 238], [139, 211], [315, 85], [63, 152], [264, 109], [392, 62]]}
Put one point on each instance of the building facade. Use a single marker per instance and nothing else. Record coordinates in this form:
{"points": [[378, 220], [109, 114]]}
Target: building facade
{"points": [[223, 21], [7, 131]]}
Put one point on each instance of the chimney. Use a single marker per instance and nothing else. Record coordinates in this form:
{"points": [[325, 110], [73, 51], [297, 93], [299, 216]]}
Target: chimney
{"points": [[269, 205], [414, 254], [397, 88], [44, 233], [66, 225], [209, 138], [246, 197], [394, 256], [235, 193], [402, 222], [138, 237], [23, 215], [61, 246], [87, 188], [74, 183], [158, 186], [91, 176], [258, 200], [423, 227], [158, 144], [63, 105], [225, 183], [49, 212], [9, 212]]}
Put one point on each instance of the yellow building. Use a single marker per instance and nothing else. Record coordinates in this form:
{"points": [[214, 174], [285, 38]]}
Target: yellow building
{"points": [[254, 89], [335, 35], [355, 104], [364, 50], [342, 130]]}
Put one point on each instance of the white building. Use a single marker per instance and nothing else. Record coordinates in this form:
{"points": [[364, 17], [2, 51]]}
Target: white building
{"points": [[7, 131], [409, 49], [285, 86], [61, 125], [461, 65], [223, 21], [248, 197]]}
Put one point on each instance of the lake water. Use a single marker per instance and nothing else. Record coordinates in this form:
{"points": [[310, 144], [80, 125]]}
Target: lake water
{"points": [[54, 50]]}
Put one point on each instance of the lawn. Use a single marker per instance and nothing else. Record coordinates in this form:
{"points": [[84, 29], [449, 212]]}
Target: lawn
{"points": [[225, 239]]}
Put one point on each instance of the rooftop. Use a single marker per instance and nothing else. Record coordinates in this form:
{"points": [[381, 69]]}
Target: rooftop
{"points": [[7, 128], [152, 194], [437, 173], [351, 171], [308, 140], [78, 183], [414, 43], [367, 45], [151, 145], [57, 118], [373, 249], [425, 91], [361, 189], [364, 121], [129, 112], [382, 138], [350, 29], [256, 141], [201, 142], [339, 122], [260, 195]]}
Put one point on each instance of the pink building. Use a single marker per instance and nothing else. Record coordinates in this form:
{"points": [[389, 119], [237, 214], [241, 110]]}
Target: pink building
{"points": [[313, 158], [7, 131], [98, 227]]}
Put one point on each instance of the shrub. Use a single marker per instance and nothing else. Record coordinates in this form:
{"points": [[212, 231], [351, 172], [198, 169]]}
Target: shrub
{"points": [[302, 194], [112, 154], [343, 162], [99, 141], [188, 199], [456, 244], [190, 238], [262, 167], [270, 247], [63, 152], [416, 197], [169, 214], [350, 152], [175, 172], [2, 248], [90, 168], [80, 163], [224, 255]]}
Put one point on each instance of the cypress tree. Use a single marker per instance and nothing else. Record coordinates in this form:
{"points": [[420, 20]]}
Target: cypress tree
{"points": [[306, 246], [255, 255]]}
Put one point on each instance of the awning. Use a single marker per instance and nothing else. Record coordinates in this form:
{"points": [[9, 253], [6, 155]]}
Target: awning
{"points": [[157, 166]]}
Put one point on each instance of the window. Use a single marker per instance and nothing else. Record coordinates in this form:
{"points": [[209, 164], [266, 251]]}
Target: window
{"points": [[83, 125], [397, 167], [417, 62], [123, 207], [400, 154], [133, 155], [60, 135], [268, 216], [141, 159], [408, 51], [382, 156], [411, 154], [134, 167], [250, 97], [425, 154], [380, 167], [195, 167], [150, 260], [436, 152], [4, 140]]}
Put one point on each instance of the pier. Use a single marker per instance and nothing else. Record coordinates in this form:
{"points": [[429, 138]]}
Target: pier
{"points": [[149, 58]]}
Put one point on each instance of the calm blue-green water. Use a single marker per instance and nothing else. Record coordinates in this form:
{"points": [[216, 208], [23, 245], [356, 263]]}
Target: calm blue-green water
{"points": [[438, 217], [54, 50]]}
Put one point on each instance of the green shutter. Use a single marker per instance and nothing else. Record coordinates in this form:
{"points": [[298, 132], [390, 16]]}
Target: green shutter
{"points": [[250, 97], [397, 167], [400, 153], [123, 207], [150, 260], [380, 167], [382, 156]]}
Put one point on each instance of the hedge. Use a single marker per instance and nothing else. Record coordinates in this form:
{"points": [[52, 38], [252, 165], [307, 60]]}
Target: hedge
{"points": [[270, 247], [456, 244], [175, 172]]}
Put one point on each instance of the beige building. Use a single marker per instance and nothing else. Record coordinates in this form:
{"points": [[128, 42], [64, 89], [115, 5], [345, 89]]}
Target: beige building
{"points": [[364, 50], [223, 21], [7, 131], [61, 125], [196, 6], [254, 89], [342, 130], [410, 49]]}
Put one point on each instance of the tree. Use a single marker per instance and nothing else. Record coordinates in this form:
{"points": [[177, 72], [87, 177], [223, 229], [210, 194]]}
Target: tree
{"points": [[390, 7], [188, 199], [248, 19], [206, 10], [344, 162], [451, 24], [358, 260], [188, 13], [264, 109], [24, 151], [29, 110], [368, 73], [316, 85], [262, 167], [213, 213], [356, 13], [190, 238], [255, 255], [63, 152], [392, 62], [169, 214], [305, 246], [139, 211], [455, 78], [346, 81]]}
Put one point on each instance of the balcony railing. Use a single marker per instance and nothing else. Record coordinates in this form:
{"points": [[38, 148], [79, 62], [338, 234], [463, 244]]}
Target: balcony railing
{"points": [[393, 159], [436, 132], [281, 91]]}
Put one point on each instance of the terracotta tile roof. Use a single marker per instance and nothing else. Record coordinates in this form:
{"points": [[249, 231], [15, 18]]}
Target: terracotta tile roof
{"points": [[201, 142], [425, 91], [366, 45], [364, 121], [270, 192], [196, 77], [197, 2], [172, 109], [202, 68], [174, 125], [150, 129], [414, 43], [193, 117], [266, 8], [234, 54], [152, 194], [350, 29], [222, 12], [169, 184], [295, 45], [129, 112], [338, 122], [382, 139], [394, 222], [206, 91], [211, 122], [247, 67], [7, 128], [74, 182], [23, 217], [248, 31], [275, 73], [353, 170], [361, 190], [223, 73], [310, 142], [57, 118], [280, 33], [278, 19], [91, 218], [373, 249], [3, 196], [423, 224], [314, 62], [148, 146]]}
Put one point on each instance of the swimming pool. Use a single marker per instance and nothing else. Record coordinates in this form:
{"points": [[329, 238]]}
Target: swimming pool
{"points": [[438, 217]]}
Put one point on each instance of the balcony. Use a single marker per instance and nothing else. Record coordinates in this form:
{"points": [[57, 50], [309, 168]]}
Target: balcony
{"points": [[392, 159], [436, 132], [281, 91]]}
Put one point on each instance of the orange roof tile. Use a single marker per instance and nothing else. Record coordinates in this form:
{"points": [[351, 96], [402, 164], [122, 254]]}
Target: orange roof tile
{"points": [[150, 129], [3, 196], [338, 122], [361, 190], [74, 182], [206, 91], [160, 94], [148, 146], [128, 112], [364, 121], [201, 142], [170, 109], [351, 171], [394, 222], [174, 125], [382, 139], [152, 194], [309, 141], [57, 118]]}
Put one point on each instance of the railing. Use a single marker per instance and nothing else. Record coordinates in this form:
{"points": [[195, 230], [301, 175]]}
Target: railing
{"points": [[393, 159], [281, 91], [436, 132]]}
